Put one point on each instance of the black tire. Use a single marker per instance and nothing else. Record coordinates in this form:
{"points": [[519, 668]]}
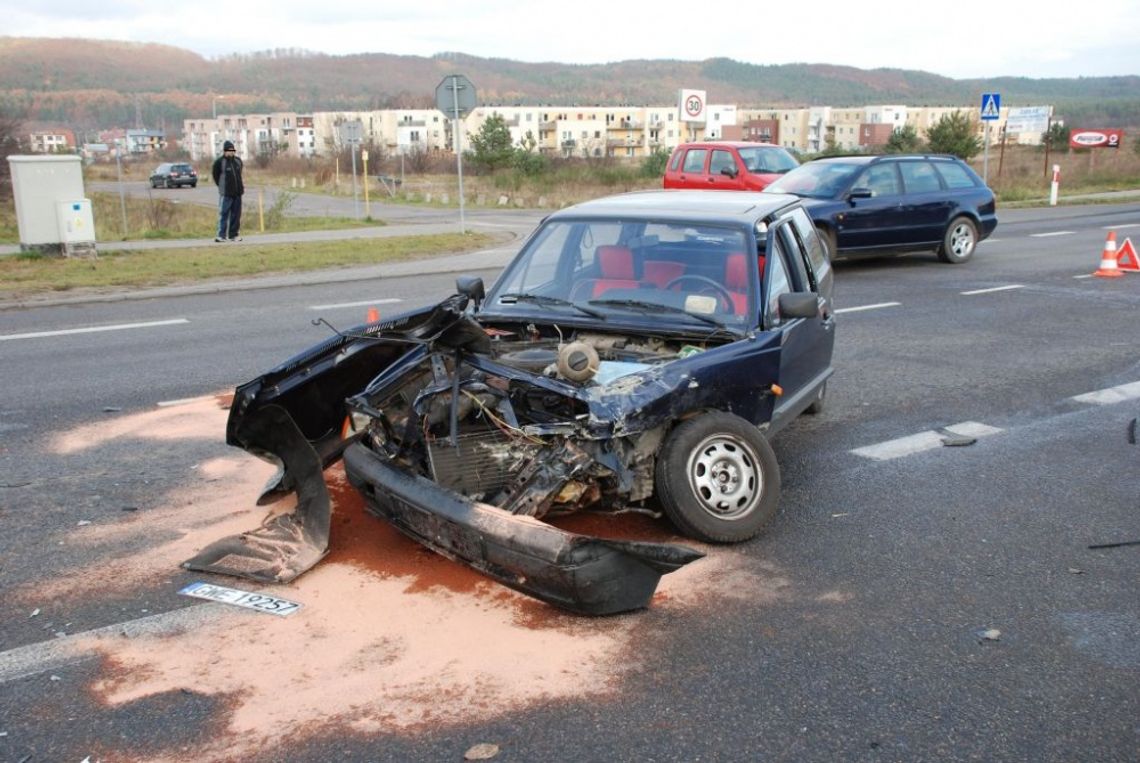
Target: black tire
{"points": [[167, 184], [818, 404], [827, 239], [717, 478], [153, 184], [959, 242], [193, 185]]}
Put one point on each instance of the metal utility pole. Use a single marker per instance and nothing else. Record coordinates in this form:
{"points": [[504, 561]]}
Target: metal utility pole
{"points": [[458, 149], [122, 197], [455, 96]]}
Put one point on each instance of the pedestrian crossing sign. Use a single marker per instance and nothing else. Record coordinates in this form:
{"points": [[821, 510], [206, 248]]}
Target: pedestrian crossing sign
{"points": [[991, 106]]}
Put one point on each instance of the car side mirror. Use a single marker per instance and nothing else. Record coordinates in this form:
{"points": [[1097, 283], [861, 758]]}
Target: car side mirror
{"points": [[730, 171], [860, 193], [798, 304], [472, 288]]}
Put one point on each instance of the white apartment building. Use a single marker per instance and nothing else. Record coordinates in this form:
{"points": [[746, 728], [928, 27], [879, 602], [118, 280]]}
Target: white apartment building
{"points": [[567, 131]]}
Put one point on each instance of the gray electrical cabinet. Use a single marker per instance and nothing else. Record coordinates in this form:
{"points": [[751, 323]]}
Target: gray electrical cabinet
{"points": [[51, 211]]}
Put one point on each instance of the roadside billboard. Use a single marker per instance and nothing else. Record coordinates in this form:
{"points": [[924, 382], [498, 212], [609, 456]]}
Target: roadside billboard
{"points": [[1028, 119], [1100, 138]]}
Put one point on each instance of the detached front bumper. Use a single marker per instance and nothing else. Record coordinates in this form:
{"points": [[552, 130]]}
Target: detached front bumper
{"points": [[578, 573]]}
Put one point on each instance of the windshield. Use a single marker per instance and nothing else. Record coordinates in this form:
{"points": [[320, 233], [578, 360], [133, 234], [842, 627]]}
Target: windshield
{"points": [[677, 273], [823, 180], [768, 160]]}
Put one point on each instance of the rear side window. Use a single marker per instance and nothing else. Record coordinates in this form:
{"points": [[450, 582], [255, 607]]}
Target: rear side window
{"points": [[695, 160], [955, 175], [675, 162], [881, 179], [919, 177], [810, 242]]}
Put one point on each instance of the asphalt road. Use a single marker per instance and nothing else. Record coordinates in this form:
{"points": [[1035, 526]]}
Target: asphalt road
{"points": [[909, 603]]}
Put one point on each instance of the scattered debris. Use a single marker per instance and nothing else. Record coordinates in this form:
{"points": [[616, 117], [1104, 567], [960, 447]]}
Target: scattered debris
{"points": [[130, 508], [83, 523], [112, 409], [844, 514], [35, 612], [483, 751], [1117, 545], [953, 439], [1075, 571], [56, 678], [990, 634]]}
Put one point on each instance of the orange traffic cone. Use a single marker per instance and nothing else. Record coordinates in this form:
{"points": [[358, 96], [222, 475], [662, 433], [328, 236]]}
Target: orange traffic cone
{"points": [[373, 315], [1126, 258], [1108, 268]]}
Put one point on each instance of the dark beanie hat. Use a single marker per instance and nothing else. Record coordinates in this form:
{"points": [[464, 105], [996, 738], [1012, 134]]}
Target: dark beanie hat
{"points": [[228, 146]]}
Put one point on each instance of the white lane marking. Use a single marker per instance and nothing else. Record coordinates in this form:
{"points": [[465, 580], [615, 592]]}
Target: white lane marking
{"points": [[388, 301], [1087, 275], [185, 401], [1118, 227], [861, 308], [1054, 233], [916, 443], [68, 650], [991, 290], [1117, 394], [92, 329]]}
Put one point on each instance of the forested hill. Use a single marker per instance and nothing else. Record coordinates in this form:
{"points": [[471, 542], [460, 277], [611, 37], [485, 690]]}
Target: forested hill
{"points": [[90, 84]]}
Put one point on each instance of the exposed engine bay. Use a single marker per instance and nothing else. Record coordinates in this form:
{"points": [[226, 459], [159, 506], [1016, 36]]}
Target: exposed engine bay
{"points": [[500, 439]]}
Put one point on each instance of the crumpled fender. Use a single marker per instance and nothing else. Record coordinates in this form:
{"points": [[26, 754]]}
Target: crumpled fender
{"points": [[286, 544]]}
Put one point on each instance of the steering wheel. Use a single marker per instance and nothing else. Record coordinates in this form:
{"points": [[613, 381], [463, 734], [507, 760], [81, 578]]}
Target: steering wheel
{"points": [[721, 292]]}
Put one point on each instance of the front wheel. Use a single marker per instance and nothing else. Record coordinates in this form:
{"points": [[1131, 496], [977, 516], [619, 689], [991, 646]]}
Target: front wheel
{"points": [[717, 478], [959, 242]]}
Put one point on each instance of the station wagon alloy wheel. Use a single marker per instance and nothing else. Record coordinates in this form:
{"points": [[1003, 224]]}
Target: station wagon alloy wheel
{"points": [[961, 238]]}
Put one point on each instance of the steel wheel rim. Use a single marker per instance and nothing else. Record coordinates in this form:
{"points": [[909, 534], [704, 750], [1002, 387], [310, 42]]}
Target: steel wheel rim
{"points": [[725, 477], [962, 240]]}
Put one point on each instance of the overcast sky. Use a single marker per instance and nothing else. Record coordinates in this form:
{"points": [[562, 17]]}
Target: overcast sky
{"points": [[959, 39]]}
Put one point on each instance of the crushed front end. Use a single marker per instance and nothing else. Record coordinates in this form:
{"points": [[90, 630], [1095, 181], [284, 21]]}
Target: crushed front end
{"points": [[465, 437]]}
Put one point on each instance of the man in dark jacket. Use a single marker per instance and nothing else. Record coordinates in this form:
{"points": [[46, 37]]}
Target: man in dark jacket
{"points": [[227, 177]]}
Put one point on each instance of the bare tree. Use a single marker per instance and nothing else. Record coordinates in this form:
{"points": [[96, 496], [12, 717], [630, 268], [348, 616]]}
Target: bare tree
{"points": [[12, 141]]}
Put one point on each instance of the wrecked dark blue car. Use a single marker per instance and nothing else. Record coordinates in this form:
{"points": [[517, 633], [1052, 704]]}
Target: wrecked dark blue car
{"points": [[637, 354]]}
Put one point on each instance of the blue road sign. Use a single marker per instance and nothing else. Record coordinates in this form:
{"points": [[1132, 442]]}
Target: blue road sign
{"points": [[991, 107]]}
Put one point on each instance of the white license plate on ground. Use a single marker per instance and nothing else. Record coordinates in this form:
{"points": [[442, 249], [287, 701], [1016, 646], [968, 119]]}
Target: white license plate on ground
{"points": [[247, 599]]}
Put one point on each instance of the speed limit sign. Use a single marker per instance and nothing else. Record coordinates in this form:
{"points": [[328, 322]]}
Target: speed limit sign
{"points": [[692, 105]]}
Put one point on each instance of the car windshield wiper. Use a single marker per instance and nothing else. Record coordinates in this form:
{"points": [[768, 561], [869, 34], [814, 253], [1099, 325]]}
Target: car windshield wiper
{"points": [[542, 299], [656, 307]]}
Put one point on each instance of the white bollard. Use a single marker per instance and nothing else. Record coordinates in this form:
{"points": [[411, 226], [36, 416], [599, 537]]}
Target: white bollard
{"points": [[1055, 186]]}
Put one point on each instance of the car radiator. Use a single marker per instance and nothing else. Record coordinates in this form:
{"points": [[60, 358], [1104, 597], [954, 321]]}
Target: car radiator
{"points": [[478, 466]]}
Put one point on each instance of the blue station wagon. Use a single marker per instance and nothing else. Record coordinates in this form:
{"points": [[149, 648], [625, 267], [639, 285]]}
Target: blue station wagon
{"points": [[639, 351], [871, 205]]}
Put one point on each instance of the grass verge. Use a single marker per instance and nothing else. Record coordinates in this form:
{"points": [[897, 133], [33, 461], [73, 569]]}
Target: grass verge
{"points": [[27, 274]]}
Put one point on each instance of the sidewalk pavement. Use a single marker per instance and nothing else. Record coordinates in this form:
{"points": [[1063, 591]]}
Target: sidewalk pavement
{"points": [[340, 234]]}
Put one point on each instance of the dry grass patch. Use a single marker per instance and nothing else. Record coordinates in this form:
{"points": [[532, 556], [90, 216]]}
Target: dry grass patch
{"points": [[29, 274]]}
